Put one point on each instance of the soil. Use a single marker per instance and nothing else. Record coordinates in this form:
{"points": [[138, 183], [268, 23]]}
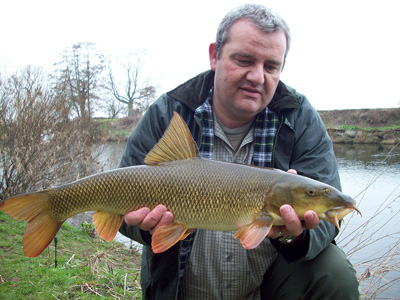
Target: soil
{"points": [[364, 126], [365, 118]]}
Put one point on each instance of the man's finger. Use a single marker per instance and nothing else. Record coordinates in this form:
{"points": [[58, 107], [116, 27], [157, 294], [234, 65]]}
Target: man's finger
{"points": [[291, 220], [152, 218], [165, 220], [311, 219], [135, 218]]}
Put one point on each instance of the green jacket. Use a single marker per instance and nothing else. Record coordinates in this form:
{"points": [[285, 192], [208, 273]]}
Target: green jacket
{"points": [[301, 143]]}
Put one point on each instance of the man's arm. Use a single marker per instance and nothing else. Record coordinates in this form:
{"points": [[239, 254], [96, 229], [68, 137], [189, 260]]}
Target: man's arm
{"points": [[311, 156]]}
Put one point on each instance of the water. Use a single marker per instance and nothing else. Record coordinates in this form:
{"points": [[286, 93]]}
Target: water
{"points": [[370, 174]]}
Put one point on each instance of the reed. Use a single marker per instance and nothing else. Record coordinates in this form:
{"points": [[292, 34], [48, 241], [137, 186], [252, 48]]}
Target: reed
{"points": [[377, 266]]}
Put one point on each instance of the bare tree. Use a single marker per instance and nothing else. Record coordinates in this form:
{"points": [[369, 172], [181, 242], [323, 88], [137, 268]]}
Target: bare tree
{"points": [[128, 87], [39, 148], [147, 96], [79, 76], [113, 108]]}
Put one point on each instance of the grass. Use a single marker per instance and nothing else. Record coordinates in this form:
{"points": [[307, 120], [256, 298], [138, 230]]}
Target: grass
{"points": [[87, 268], [111, 132], [377, 273], [354, 127], [380, 272]]}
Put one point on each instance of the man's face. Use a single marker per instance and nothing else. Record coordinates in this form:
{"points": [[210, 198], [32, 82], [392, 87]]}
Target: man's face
{"points": [[246, 73]]}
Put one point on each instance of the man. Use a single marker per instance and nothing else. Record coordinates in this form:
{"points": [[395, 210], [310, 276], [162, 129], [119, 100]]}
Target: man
{"points": [[241, 112]]}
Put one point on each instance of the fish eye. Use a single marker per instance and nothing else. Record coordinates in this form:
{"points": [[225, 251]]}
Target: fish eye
{"points": [[327, 191], [311, 192]]}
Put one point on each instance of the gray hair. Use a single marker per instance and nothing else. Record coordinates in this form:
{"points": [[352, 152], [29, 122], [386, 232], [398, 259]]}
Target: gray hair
{"points": [[261, 16]]}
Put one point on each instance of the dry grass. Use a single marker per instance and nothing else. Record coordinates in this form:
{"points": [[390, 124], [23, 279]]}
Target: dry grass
{"points": [[379, 268], [101, 266]]}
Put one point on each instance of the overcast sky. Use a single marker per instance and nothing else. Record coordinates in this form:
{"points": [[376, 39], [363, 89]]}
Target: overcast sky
{"points": [[345, 53]]}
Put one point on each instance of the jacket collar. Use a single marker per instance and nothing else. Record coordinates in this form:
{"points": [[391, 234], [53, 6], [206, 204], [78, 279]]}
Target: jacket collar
{"points": [[194, 93]]}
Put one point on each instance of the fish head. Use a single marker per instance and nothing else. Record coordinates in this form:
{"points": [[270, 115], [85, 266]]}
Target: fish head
{"points": [[305, 194], [333, 206]]}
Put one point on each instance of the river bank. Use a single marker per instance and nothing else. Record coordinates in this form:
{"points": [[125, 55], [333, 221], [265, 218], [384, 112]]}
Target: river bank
{"points": [[352, 126], [363, 126], [87, 266]]}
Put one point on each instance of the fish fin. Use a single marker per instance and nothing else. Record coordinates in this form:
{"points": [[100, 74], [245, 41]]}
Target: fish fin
{"points": [[187, 232], [251, 235], [176, 144], [168, 235], [41, 226], [107, 224], [39, 234]]}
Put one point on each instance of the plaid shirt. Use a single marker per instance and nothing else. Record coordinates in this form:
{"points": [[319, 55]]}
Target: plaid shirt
{"points": [[265, 128], [212, 262]]}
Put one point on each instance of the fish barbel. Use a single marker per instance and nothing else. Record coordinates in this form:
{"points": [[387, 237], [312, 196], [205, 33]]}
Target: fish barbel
{"points": [[201, 193]]}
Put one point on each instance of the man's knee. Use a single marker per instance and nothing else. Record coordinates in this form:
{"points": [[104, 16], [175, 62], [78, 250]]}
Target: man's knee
{"points": [[328, 276], [333, 272]]}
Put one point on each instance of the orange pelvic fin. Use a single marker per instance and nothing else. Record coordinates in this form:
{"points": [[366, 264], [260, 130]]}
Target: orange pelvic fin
{"points": [[251, 235], [167, 236], [41, 228], [107, 224]]}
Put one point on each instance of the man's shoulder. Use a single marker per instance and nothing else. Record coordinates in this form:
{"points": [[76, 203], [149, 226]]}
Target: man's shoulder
{"points": [[285, 99], [195, 91]]}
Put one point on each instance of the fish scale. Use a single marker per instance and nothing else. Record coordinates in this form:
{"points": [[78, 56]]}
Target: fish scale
{"points": [[206, 187], [201, 193]]}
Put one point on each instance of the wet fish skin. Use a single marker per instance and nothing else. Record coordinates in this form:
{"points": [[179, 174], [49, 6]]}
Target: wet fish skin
{"points": [[201, 193], [304, 194]]}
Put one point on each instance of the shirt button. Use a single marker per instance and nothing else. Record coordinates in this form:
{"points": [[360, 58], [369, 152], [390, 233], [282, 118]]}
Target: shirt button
{"points": [[228, 286], [228, 257]]}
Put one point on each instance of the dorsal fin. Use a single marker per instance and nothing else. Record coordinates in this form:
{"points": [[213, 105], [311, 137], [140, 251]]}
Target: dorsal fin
{"points": [[176, 144]]}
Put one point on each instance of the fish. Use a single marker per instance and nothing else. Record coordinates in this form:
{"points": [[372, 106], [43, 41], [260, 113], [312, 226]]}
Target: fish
{"points": [[201, 193]]}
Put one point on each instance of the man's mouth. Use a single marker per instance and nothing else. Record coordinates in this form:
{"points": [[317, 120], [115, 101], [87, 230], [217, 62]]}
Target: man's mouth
{"points": [[250, 90]]}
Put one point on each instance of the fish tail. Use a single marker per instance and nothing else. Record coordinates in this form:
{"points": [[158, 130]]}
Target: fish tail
{"points": [[41, 226]]}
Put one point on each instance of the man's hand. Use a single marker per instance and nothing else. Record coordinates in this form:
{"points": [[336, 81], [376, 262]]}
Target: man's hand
{"points": [[293, 226], [149, 220]]}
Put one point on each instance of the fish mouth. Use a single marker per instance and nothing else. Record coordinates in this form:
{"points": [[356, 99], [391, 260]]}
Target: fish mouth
{"points": [[336, 214]]}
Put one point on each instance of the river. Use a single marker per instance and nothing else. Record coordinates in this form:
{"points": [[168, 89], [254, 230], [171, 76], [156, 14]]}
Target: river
{"points": [[370, 174]]}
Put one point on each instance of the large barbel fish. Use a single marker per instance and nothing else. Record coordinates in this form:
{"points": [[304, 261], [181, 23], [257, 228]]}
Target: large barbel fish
{"points": [[201, 193]]}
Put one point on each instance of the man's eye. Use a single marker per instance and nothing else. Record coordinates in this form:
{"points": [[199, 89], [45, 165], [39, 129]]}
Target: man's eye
{"points": [[271, 68], [243, 62]]}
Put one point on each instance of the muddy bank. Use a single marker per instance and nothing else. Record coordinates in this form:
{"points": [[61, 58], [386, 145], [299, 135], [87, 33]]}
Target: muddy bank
{"points": [[363, 126], [363, 136], [366, 118]]}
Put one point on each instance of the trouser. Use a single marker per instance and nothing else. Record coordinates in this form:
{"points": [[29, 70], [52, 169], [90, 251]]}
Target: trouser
{"points": [[328, 276]]}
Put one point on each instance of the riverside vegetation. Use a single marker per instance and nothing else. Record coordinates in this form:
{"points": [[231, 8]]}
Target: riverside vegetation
{"points": [[87, 266], [363, 126]]}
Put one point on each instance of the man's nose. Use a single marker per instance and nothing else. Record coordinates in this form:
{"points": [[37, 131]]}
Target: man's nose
{"points": [[256, 74]]}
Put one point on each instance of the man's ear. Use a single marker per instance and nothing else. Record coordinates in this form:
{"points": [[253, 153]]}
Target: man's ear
{"points": [[213, 56]]}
